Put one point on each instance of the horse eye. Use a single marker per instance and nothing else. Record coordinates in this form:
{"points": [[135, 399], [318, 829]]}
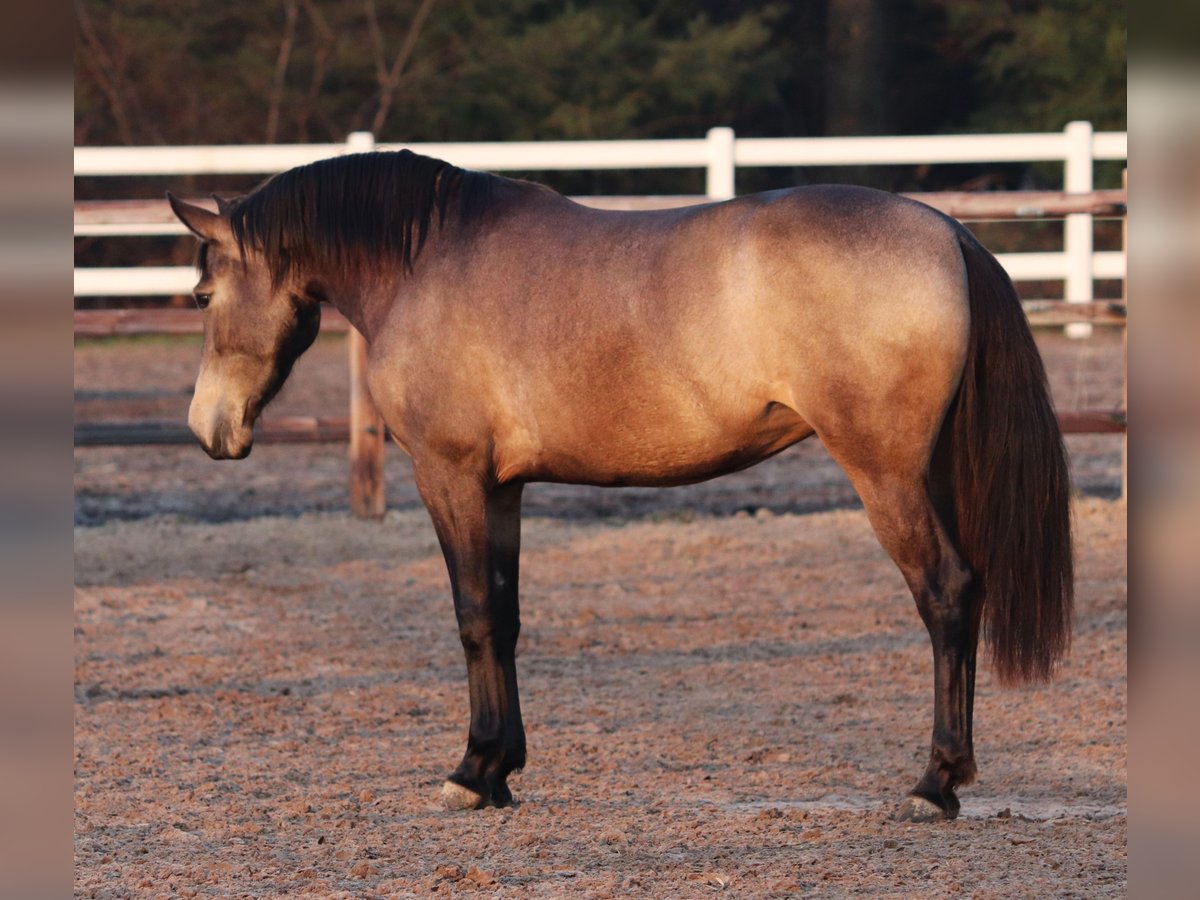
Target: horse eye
{"points": [[202, 300]]}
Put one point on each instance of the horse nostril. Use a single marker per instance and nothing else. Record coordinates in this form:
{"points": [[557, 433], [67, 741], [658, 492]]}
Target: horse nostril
{"points": [[225, 440], [231, 442], [209, 447]]}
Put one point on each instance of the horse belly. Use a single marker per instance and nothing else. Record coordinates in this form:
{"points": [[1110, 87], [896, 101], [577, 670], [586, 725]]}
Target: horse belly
{"points": [[661, 451]]}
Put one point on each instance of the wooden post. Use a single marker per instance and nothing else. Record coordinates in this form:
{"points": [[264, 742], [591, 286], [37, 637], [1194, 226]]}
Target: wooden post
{"points": [[1125, 345], [366, 427], [366, 437]]}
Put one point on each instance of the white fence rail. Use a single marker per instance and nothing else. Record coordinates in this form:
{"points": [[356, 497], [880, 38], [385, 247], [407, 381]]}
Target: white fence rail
{"points": [[720, 154]]}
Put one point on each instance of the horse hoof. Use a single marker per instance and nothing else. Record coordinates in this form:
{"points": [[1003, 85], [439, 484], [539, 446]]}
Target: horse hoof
{"points": [[456, 797], [918, 809]]}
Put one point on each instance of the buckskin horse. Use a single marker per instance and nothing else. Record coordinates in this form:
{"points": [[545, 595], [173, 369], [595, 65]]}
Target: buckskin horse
{"points": [[517, 336]]}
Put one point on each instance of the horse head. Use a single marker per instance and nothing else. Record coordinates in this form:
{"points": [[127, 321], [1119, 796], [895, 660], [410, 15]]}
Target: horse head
{"points": [[255, 328]]}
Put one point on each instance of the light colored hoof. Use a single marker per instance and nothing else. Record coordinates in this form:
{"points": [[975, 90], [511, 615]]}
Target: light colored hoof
{"points": [[455, 796], [918, 809]]}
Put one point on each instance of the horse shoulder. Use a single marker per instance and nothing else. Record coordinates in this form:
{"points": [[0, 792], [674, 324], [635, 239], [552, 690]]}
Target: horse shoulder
{"points": [[441, 392]]}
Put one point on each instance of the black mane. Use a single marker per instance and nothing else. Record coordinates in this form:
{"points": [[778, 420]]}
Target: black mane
{"points": [[342, 213]]}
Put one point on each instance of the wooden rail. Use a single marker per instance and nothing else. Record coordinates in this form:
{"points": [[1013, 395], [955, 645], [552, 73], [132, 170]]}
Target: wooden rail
{"points": [[1092, 421], [96, 323], [966, 206], [160, 432]]}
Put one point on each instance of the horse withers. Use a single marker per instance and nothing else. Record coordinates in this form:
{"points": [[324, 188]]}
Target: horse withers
{"points": [[516, 336]]}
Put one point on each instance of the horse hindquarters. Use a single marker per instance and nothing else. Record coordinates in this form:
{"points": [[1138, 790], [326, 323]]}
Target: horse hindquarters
{"points": [[974, 513]]}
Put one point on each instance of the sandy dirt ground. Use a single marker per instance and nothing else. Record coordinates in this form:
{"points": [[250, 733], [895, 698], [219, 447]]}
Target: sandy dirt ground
{"points": [[726, 687]]}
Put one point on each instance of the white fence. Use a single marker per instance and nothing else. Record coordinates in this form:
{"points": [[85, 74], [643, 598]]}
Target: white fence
{"points": [[720, 154]]}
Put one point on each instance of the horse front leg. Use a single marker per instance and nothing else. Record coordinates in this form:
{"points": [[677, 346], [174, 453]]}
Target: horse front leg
{"points": [[479, 527]]}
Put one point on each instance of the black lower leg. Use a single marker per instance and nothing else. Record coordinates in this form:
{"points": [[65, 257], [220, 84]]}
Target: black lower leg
{"points": [[479, 529], [953, 628], [496, 737]]}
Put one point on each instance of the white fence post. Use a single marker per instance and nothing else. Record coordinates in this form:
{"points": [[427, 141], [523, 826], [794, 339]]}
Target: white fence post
{"points": [[719, 185], [1077, 230], [360, 142]]}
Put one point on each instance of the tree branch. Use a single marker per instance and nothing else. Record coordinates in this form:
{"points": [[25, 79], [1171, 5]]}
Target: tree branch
{"points": [[105, 71], [326, 40], [388, 86], [281, 64], [377, 53]]}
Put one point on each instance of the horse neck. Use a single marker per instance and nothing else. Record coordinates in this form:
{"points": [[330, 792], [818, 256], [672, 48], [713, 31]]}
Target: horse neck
{"points": [[364, 300]]}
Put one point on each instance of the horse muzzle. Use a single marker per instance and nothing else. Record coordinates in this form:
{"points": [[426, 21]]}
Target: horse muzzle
{"points": [[222, 437]]}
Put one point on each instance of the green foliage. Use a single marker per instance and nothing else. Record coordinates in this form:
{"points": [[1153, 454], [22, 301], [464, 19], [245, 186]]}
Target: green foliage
{"points": [[191, 72], [1040, 65]]}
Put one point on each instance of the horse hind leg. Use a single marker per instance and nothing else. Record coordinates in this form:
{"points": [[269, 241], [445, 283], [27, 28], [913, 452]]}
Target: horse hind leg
{"points": [[903, 507]]}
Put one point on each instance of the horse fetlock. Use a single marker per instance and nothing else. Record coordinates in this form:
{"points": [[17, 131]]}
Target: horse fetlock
{"points": [[514, 756], [462, 790], [953, 761], [963, 773], [494, 752], [501, 795]]}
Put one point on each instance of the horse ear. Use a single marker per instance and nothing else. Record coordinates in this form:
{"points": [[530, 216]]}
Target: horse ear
{"points": [[203, 223], [224, 207]]}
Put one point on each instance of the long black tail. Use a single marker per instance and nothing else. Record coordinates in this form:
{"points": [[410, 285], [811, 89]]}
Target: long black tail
{"points": [[1010, 481]]}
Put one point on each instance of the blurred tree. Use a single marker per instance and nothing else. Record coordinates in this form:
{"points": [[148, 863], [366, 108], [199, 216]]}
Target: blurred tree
{"points": [[302, 70], [857, 67], [1039, 64], [298, 70], [433, 70]]}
